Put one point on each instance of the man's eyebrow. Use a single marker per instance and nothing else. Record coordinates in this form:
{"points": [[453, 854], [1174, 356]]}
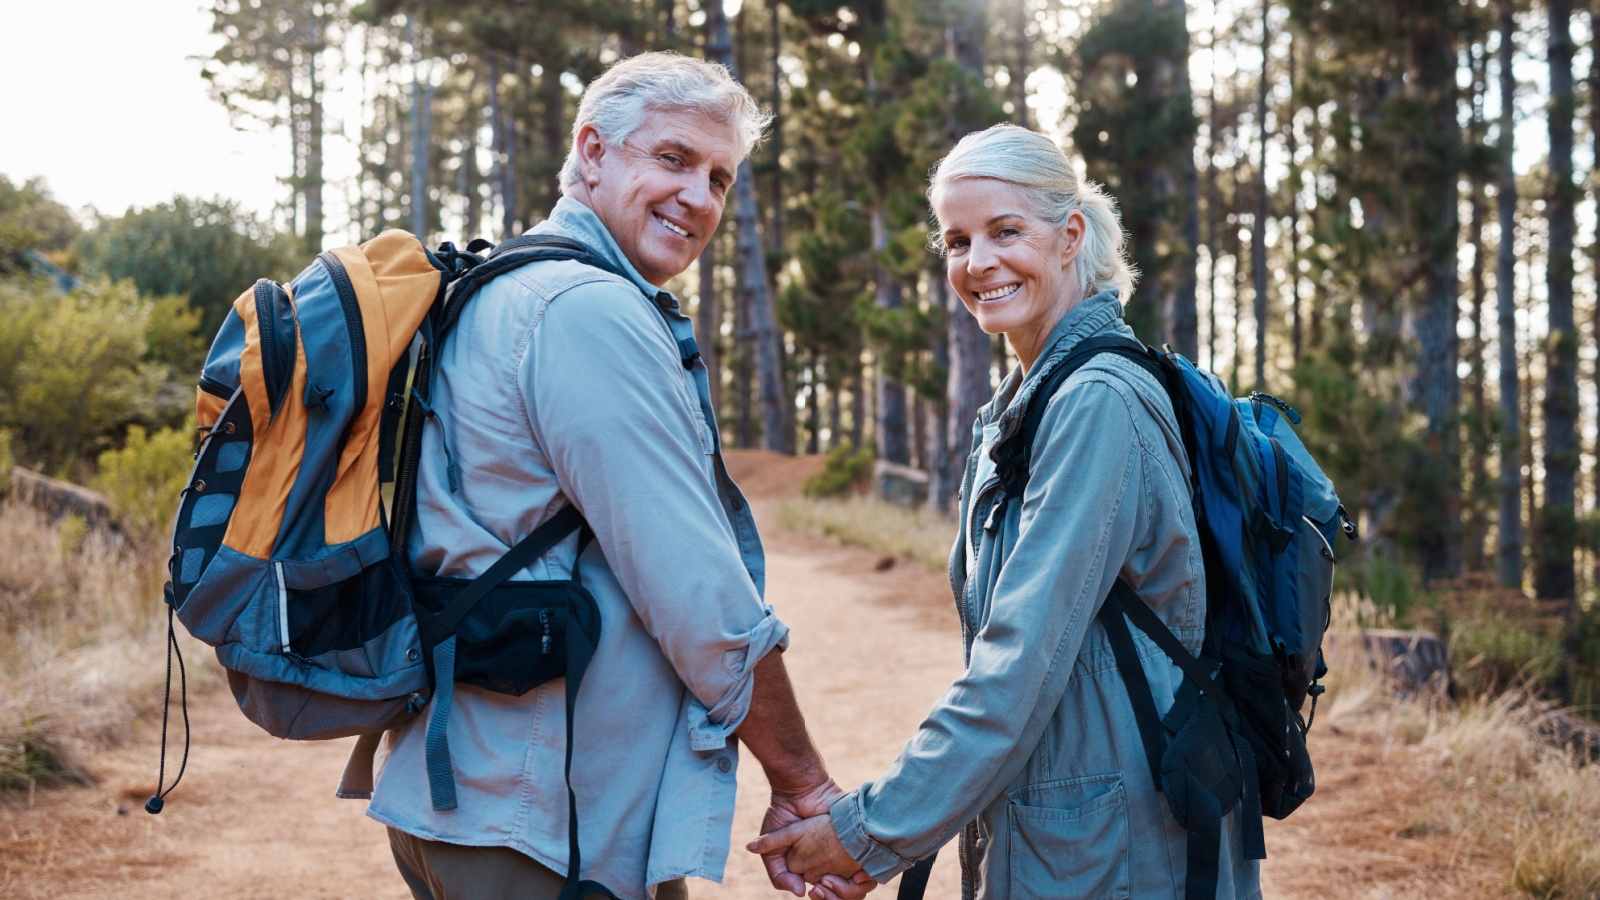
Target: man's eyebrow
{"points": [[691, 153]]}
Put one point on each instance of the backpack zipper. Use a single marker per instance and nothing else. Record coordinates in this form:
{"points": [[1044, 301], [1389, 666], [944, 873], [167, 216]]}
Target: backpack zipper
{"points": [[1230, 440], [358, 337], [1282, 461], [1279, 402], [266, 330]]}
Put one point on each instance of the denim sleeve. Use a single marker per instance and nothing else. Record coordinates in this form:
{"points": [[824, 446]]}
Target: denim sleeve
{"points": [[606, 400], [1078, 522]]}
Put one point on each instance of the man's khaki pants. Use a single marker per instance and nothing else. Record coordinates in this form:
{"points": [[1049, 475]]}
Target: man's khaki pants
{"points": [[435, 870]]}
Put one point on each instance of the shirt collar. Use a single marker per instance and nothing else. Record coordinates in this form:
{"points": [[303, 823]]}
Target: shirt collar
{"points": [[575, 220]]}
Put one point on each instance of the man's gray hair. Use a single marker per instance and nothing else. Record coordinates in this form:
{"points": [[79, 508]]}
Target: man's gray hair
{"points": [[617, 102], [1034, 163]]}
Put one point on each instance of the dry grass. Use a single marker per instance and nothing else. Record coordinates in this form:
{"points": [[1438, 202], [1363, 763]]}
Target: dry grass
{"points": [[81, 642], [1514, 803], [876, 525]]}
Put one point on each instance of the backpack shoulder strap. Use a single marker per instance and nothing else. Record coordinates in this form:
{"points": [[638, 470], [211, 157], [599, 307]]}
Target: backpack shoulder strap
{"points": [[1013, 458]]}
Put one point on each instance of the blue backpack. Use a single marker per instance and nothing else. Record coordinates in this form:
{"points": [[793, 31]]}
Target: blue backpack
{"points": [[1268, 519]]}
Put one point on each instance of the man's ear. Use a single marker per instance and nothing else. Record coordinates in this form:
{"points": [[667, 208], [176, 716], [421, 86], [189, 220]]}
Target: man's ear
{"points": [[591, 151]]}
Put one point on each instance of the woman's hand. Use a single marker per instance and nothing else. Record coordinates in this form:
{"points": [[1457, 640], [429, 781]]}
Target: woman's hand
{"points": [[811, 849]]}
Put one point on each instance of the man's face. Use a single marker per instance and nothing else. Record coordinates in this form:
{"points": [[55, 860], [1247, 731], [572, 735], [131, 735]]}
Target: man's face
{"points": [[660, 192]]}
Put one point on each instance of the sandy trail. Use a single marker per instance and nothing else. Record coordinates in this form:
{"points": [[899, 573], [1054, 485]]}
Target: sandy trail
{"points": [[871, 650]]}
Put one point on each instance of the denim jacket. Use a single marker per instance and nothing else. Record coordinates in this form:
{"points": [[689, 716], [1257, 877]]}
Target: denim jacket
{"points": [[565, 384], [1033, 754]]}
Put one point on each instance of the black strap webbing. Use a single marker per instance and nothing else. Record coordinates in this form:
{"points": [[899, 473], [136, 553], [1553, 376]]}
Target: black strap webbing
{"points": [[1151, 732], [530, 548], [914, 881]]}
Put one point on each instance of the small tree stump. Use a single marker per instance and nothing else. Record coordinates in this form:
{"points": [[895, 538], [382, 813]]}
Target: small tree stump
{"points": [[900, 485], [1415, 662]]}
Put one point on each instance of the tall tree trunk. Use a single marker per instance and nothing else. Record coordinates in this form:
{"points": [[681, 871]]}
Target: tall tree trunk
{"points": [[753, 284], [1019, 78], [1509, 530], [1477, 517], [969, 386], [1554, 577], [419, 137], [1438, 385], [1291, 145], [1258, 234], [1213, 201], [471, 177], [1594, 187], [775, 204], [893, 445], [940, 471], [710, 321], [311, 183], [1183, 328], [510, 202]]}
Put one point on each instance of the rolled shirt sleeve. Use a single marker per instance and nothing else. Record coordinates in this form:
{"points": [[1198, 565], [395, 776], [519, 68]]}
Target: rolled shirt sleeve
{"points": [[1078, 524], [608, 401]]}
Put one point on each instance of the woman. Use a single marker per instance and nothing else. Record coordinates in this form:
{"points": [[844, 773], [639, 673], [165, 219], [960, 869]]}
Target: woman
{"points": [[1034, 754]]}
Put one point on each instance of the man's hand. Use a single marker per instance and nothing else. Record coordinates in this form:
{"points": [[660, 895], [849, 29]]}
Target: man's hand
{"points": [[787, 810], [811, 850]]}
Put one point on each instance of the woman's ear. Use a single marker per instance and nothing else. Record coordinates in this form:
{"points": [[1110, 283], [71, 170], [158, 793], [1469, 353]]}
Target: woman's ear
{"points": [[1073, 231]]}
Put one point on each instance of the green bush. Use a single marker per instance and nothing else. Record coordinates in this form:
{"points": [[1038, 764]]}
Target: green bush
{"points": [[6, 461], [1499, 639], [842, 472], [76, 369], [143, 478]]}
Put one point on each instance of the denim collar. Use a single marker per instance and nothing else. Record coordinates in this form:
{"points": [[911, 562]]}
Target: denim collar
{"points": [[1089, 317]]}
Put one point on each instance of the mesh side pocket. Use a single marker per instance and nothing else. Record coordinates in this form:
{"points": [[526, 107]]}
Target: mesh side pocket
{"points": [[193, 560], [232, 456], [212, 509]]}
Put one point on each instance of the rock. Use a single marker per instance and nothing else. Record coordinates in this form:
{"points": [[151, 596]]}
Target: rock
{"points": [[900, 485], [57, 499], [1416, 662]]}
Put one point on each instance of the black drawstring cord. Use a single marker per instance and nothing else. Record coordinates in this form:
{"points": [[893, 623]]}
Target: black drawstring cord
{"points": [[158, 800]]}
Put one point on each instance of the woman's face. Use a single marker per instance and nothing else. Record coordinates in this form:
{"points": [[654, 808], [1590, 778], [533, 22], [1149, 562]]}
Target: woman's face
{"points": [[1012, 269]]}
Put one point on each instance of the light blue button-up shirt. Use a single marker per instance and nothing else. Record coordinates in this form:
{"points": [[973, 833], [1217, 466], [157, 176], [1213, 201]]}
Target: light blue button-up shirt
{"points": [[564, 384]]}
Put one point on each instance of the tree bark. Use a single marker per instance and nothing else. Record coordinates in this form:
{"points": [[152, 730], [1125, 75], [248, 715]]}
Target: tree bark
{"points": [[939, 468], [892, 443], [1509, 540], [1555, 575], [709, 313], [968, 387], [311, 182], [753, 284], [1258, 234], [1438, 385]]}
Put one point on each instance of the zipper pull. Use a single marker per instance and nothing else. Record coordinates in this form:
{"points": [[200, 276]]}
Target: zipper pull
{"points": [[544, 623], [992, 522], [1288, 411], [1347, 524]]}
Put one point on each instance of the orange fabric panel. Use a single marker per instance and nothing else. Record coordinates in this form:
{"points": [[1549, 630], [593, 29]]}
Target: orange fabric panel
{"points": [[395, 285], [207, 407], [258, 512]]}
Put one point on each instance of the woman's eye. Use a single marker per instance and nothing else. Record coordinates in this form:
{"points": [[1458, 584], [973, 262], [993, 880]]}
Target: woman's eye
{"points": [[957, 244], [1008, 231]]}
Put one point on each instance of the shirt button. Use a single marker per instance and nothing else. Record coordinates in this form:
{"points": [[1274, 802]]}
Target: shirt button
{"points": [[724, 765]]}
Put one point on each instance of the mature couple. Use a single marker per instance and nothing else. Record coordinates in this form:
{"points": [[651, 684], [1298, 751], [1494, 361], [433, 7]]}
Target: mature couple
{"points": [[567, 385]]}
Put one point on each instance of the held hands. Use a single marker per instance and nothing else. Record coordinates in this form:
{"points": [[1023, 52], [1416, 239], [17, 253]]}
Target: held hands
{"points": [[798, 846]]}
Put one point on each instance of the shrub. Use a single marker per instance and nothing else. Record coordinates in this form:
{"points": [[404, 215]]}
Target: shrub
{"points": [[843, 471], [6, 461], [143, 478]]}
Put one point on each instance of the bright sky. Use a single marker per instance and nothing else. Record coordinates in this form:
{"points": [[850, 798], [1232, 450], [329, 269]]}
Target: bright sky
{"points": [[102, 99]]}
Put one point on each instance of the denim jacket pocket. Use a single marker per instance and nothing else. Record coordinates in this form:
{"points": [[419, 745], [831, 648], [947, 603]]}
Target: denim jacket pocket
{"points": [[1070, 839]]}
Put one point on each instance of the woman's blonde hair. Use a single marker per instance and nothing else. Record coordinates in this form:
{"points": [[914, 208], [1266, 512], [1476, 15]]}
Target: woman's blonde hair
{"points": [[1033, 162]]}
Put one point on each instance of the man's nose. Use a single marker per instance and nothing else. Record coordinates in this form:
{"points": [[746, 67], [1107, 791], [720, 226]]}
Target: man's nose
{"points": [[695, 194]]}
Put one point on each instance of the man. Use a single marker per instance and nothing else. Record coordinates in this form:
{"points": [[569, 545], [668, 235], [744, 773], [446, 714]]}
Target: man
{"points": [[564, 384]]}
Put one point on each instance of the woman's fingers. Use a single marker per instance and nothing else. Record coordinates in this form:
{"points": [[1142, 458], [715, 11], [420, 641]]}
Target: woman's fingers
{"points": [[837, 887]]}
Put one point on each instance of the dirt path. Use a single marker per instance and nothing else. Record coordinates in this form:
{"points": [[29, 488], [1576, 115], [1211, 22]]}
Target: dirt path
{"points": [[256, 818]]}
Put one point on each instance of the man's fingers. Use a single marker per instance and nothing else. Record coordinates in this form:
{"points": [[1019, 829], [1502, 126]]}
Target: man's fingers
{"points": [[777, 841], [839, 888]]}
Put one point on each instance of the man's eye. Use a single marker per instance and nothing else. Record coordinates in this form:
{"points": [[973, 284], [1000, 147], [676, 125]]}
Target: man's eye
{"points": [[717, 183], [672, 158]]}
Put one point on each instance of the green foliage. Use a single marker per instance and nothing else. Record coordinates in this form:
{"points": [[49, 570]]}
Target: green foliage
{"points": [[207, 250], [844, 471], [144, 477], [31, 219], [74, 370], [7, 461], [70, 533]]}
